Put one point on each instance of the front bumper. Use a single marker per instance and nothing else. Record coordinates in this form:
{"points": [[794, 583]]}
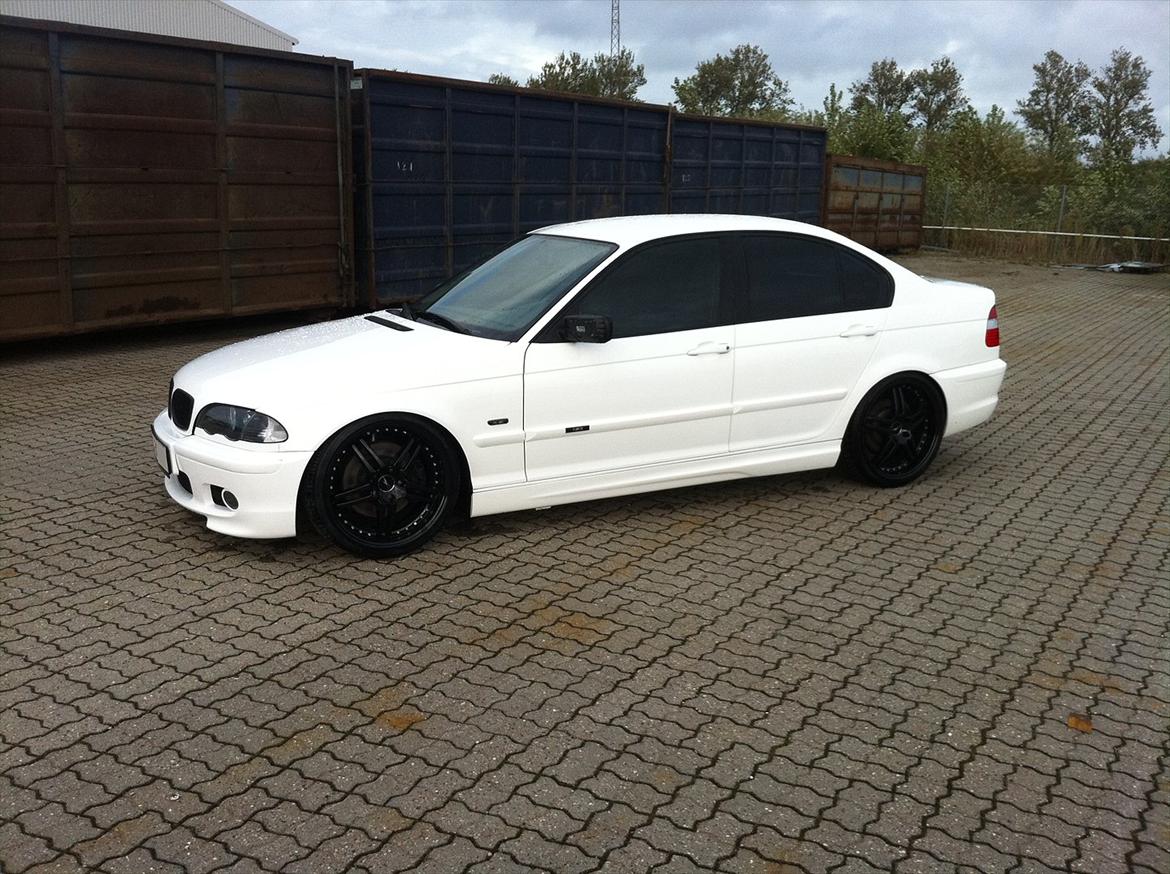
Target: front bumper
{"points": [[264, 481]]}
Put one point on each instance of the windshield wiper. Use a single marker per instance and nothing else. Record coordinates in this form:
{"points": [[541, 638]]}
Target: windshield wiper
{"points": [[442, 322], [406, 312]]}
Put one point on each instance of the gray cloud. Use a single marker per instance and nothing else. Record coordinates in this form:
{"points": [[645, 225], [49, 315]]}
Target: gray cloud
{"points": [[993, 42]]}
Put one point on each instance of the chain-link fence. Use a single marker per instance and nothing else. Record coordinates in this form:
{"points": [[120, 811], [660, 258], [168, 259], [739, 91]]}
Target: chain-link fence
{"points": [[1063, 224]]}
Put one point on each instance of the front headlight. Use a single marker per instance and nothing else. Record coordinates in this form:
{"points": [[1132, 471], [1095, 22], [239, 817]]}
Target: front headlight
{"points": [[240, 423]]}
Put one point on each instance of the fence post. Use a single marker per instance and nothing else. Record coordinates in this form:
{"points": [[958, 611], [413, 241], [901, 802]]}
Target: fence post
{"points": [[1059, 220], [946, 212]]}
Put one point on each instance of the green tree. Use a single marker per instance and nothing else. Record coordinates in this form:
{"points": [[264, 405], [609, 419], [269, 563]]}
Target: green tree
{"points": [[1056, 111], [741, 84], [829, 116], [870, 133], [617, 76], [887, 88], [834, 103], [937, 94], [502, 79], [566, 72], [865, 132], [833, 116], [986, 162], [1120, 116], [989, 149]]}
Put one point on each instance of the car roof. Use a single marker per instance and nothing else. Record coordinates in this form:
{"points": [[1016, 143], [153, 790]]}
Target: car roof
{"points": [[634, 229]]}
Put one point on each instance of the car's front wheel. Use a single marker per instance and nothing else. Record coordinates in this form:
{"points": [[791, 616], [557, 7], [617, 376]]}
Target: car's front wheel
{"points": [[895, 431], [384, 485]]}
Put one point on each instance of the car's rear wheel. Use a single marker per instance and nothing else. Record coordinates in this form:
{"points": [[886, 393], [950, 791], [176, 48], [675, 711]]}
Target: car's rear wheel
{"points": [[895, 431], [383, 486]]}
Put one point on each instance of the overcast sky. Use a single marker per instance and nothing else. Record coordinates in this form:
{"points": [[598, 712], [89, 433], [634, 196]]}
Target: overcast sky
{"points": [[810, 43]]}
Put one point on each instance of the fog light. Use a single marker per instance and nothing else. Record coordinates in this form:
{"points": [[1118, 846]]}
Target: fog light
{"points": [[221, 497]]}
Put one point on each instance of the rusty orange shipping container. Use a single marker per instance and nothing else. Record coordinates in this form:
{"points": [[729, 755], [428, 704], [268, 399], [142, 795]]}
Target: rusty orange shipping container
{"points": [[879, 204], [148, 179]]}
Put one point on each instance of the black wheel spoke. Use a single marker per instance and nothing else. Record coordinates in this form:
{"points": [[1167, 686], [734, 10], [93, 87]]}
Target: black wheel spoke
{"points": [[355, 495], [383, 513], [899, 398], [407, 456], [909, 455], [365, 454], [888, 451]]}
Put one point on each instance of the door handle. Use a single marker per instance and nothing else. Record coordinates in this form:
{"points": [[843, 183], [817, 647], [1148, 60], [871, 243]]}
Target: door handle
{"points": [[710, 349], [859, 331]]}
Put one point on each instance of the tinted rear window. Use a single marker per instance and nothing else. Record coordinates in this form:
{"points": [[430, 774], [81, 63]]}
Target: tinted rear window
{"points": [[792, 276]]}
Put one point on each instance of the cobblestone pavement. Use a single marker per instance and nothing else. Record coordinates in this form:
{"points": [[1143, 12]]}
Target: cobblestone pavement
{"points": [[781, 675]]}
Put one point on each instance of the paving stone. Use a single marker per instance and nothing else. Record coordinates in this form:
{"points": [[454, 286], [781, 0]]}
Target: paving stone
{"points": [[24, 850], [189, 852], [790, 674]]}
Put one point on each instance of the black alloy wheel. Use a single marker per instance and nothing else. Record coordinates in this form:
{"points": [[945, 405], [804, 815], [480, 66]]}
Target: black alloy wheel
{"points": [[383, 486], [896, 431]]}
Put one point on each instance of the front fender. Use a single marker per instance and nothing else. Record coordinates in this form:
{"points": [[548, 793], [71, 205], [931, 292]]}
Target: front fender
{"points": [[494, 453]]}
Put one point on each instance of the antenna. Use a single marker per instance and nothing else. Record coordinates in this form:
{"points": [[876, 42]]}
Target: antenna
{"points": [[615, 27]]}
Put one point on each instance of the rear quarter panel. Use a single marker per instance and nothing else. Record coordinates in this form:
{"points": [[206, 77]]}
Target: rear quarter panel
{"points": [[931, 327]]}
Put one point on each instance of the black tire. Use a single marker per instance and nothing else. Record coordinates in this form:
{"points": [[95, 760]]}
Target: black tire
{"points": [[895, 432], [384, 485]]}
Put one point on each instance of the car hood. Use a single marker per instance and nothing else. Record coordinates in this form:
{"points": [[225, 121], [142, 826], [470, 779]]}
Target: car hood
{"points": [[345, 357]]}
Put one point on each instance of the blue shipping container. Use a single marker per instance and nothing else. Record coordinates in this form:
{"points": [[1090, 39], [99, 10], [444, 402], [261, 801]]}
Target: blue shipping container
{"points": [[450, 171], [726, 166], [453, 171]]}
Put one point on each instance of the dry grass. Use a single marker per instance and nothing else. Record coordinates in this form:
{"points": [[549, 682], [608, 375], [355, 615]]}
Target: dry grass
{"points": [[1048, 250]]}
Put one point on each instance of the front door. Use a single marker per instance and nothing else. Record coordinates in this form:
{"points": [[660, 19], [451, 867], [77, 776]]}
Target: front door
{"points": [[659, 391]]}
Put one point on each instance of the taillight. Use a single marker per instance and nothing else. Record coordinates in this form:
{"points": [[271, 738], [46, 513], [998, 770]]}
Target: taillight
{"points": [[992, 335]]}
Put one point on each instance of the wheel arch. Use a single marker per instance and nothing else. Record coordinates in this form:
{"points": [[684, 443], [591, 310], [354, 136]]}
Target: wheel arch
{"points": [[873, 377], [851, 458], [908, 371], [463, 502]]}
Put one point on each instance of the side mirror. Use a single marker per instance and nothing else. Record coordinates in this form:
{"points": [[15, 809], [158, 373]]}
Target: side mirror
{"points": [[587, 329]]}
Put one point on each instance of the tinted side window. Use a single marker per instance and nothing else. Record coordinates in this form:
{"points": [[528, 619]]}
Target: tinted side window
{"points": [[672, 286], [790, 277], [865, 286]]}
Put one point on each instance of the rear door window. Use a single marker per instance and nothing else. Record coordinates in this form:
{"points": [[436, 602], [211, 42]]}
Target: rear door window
{"points": [[789, 276], [864, 285]]}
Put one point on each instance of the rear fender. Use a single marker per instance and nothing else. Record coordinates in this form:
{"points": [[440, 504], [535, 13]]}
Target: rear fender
{"points": [[880, 368]]}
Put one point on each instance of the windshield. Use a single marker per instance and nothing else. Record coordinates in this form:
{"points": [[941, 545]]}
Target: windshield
{"points": [[504, 295]]}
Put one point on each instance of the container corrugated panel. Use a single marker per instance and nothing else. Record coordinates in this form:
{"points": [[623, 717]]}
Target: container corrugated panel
{"points": [[451, 171], [726, 166], [879, 204], [145, 180]]}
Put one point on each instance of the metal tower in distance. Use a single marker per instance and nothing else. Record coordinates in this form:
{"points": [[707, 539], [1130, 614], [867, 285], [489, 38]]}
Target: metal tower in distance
{"points": [[615, 27]]}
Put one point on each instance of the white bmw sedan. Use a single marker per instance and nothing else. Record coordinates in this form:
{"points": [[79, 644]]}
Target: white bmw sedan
{"points": [[587, 360]]}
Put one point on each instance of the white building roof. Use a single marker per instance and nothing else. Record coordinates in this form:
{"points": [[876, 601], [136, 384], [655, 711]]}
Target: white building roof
{"points": [[211, 20]]}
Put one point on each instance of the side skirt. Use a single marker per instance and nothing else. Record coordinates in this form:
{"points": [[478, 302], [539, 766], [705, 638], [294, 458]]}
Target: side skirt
{"points": [[652, 478]]}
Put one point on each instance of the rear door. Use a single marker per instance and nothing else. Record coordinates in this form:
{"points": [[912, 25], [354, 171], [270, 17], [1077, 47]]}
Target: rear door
{"points": [[660, 390], [811, 315]]}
